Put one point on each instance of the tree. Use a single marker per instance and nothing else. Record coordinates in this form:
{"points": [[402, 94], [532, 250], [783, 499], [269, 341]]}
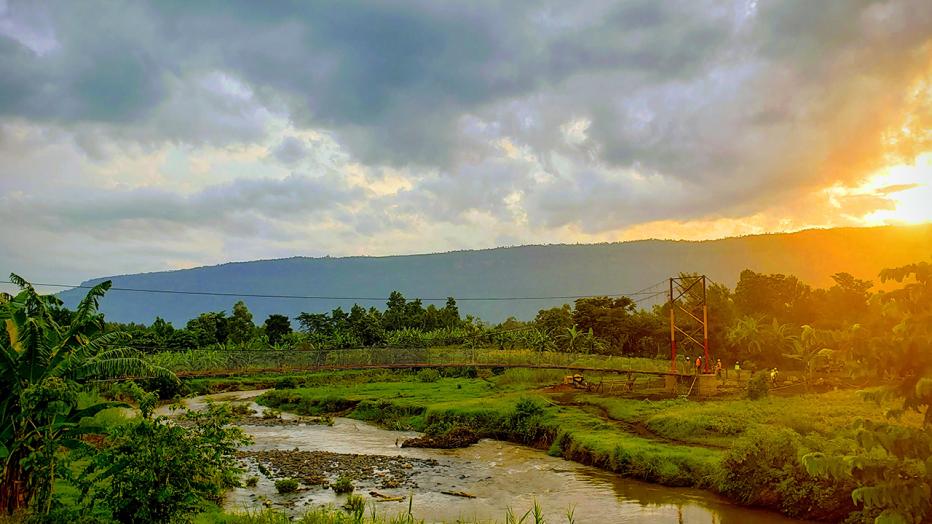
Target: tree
{"points": [[366, 325], [847, 302], [276, 327], [746, 334], [450, 314], [555, 320], [891, 464], [240, 325], [42, 366], [315, 323], [209, 328], [607, 317], [809, 347], [395, 312], [162, 329], [778, 296]]}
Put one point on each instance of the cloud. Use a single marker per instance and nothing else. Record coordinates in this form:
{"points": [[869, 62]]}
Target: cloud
{"points": [[412, 126], [290, 151]]}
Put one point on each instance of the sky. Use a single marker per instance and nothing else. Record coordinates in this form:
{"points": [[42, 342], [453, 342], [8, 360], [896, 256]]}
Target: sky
{"points": [[143, 136]]}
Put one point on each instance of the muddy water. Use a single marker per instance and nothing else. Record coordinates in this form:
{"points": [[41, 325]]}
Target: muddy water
{"points": [[499, 474]]}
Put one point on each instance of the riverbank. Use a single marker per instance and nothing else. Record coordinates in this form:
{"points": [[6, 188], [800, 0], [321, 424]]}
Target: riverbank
{"points": [[748, 451], [500, 475]]}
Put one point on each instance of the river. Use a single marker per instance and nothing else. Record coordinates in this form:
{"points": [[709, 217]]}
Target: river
{"points": [[499, 474]]}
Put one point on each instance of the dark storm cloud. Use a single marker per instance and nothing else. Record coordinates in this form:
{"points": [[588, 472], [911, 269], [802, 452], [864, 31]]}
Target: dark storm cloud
{"points": [[719, 107], [393, 77]]}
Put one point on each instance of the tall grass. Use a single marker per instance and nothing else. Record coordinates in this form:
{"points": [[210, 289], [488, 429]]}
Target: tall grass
{"points": [[199, 361]]}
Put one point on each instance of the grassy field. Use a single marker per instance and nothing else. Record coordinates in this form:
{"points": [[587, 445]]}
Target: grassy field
{"points": [[747, 450]]}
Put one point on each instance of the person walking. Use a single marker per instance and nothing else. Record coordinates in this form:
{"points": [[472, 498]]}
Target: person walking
{"points": [[737, 371], [719, 368]]}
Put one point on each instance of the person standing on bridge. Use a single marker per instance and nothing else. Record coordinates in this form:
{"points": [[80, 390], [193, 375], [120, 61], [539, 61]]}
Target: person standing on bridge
{"points": [[698, 365], [737, 372]]}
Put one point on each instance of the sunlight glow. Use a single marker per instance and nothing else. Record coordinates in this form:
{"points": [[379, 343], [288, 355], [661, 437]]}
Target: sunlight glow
{"points": [[909, 188]]}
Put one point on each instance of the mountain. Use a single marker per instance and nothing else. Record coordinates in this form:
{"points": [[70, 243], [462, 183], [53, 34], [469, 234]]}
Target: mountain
{"points": [[525, 271]]}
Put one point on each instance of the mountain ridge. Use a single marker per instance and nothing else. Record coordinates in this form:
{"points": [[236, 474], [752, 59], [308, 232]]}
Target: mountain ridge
{"points": [[528, 270]]}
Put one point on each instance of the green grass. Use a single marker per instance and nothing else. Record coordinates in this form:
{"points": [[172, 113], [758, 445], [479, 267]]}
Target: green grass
{"points": [[672, 442], [719, 422], [492, 410]]}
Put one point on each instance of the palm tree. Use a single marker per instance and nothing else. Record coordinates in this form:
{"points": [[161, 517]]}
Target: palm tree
{"points": [[42, 367]]}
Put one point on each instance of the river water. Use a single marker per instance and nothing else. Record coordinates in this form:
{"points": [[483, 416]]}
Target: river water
{"points": [[499, 474]]}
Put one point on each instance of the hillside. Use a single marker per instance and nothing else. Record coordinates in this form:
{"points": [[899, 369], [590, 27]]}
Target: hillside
{"points": [[553, 270]]}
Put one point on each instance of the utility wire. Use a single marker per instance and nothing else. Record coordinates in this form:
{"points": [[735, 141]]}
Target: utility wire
{"points": [[325, 297]]}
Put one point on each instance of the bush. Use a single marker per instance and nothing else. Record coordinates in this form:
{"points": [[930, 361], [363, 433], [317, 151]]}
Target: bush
{"points": [[342, 485], [153, 471], [758, 386], [763, 468], [251, 482], [286, 485], [286, 383], [428, 375]]}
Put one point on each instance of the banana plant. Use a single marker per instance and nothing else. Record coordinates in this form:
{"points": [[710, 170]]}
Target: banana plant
{"points": [[42, 368], [809, 348]]}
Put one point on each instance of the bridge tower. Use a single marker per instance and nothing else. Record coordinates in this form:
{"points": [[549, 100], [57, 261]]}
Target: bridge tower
{"points": [[688, 297]]}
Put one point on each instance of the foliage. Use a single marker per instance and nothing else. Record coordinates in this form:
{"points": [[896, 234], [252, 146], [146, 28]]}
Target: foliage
{"points": [[286, 485], [240, 326], [759, 386], [342, 485], [276, 328], [155, 471], [891, 465], [42, 366], [763, 468], [428, 375]]}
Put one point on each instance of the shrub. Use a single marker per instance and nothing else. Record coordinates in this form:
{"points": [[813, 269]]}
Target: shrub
{"points": [[342, 485], [286, 485], [763, 468], [758, 386], [252, 481], [152, 471], [428, 375], [286, 383]]}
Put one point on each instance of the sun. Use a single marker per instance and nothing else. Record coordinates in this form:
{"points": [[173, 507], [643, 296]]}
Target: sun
{"points": [[908, 188]]}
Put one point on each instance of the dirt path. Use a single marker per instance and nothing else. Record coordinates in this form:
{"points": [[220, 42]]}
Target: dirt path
{"points": [[569, 399]]}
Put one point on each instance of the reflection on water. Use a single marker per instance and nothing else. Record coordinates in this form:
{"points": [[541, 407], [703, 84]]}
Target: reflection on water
{"points": [[499, 474]]}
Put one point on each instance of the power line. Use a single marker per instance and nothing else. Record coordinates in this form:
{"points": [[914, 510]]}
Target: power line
{"points": [[326, 297]]}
